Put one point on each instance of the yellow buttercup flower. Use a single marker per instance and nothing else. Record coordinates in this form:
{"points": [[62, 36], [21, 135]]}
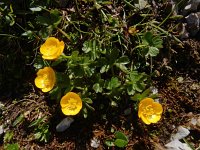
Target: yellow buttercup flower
{"points": [[149, 111], [132, 30], [45, 79], [71, 103], [52, 48]]}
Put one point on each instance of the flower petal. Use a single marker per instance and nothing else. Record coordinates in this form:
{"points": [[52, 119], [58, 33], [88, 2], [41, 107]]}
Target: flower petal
{"points": [[45, 79], [145, 120], [68, 112], [71, 103], [52, 48], [157, 108], [65, 99], [153, 118], [39, 82], [146, 102]]}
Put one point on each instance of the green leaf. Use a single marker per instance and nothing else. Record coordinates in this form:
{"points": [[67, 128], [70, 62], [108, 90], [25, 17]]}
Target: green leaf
{"points": [[114, 83], [136, 97], [87, 46], [146, 93], [51, 19], [37, 122], [114, 54], [104, 68], [8, 136], [14, 146], [29, 34], [18, 120], [85, 112], [90, 107], [97, 88], [109, 143], [122, 67], [153, 51], [148, 36], [39, 63], [37, 135], [120, 135], [130, 90], [123, 60], [58, 61], [35, 9], [120, 143], [87, 100], [157, 42], [55, 93]]}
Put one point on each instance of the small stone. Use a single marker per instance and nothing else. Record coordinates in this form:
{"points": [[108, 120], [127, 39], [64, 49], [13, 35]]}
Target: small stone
{"points": [[181, 133], [95, 143], [177, 145], [192, 5], [154, 90], [193, 21], [1, 130], [64, 124], [180, 79], [193, 121], [198, 122]]}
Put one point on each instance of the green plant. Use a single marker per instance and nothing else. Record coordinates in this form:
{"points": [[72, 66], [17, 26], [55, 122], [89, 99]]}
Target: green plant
{"points": [[14, 146], [41, 129], [120, 140]]}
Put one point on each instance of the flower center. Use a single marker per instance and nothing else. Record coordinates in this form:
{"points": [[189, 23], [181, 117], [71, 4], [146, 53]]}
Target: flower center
{"points": [[148, 111], [72, 104]]}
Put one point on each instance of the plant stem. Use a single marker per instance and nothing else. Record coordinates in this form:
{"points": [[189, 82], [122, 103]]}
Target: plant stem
{"points": [[64, 33]]}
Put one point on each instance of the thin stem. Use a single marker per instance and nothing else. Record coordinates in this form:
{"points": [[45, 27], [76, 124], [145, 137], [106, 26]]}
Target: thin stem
{"points": [[64, 33], [165, 32], [170, 13], [8, 35], [151, 64]]}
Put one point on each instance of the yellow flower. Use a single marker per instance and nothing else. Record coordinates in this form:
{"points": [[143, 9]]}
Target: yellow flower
{"points": [[149, 111], [52, 48], [71, 104], [132, 30], [45, 79]]}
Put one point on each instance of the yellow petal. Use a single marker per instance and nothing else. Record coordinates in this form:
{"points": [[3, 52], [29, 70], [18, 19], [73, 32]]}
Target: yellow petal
{"points": [[65, 99], [46, 89], [39, 82], [61, 46], [145, 102], [144, 119], [153, 118], [52, 48], [45, 79], [68, 112], [157, 108], [71, 103]]}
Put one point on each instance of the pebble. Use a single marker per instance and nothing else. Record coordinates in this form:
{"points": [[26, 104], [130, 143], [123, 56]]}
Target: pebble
{"points": [[181, 133], [64, 124], [177, 145], [95, 143], [1, 130], [193, 21]]}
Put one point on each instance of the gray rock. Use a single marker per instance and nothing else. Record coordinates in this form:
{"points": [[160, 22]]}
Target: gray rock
{"points": [[64, 124], [95, 143], [193, 21], [177, 145], [1, 130], [191, 5], [181, 133]]}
